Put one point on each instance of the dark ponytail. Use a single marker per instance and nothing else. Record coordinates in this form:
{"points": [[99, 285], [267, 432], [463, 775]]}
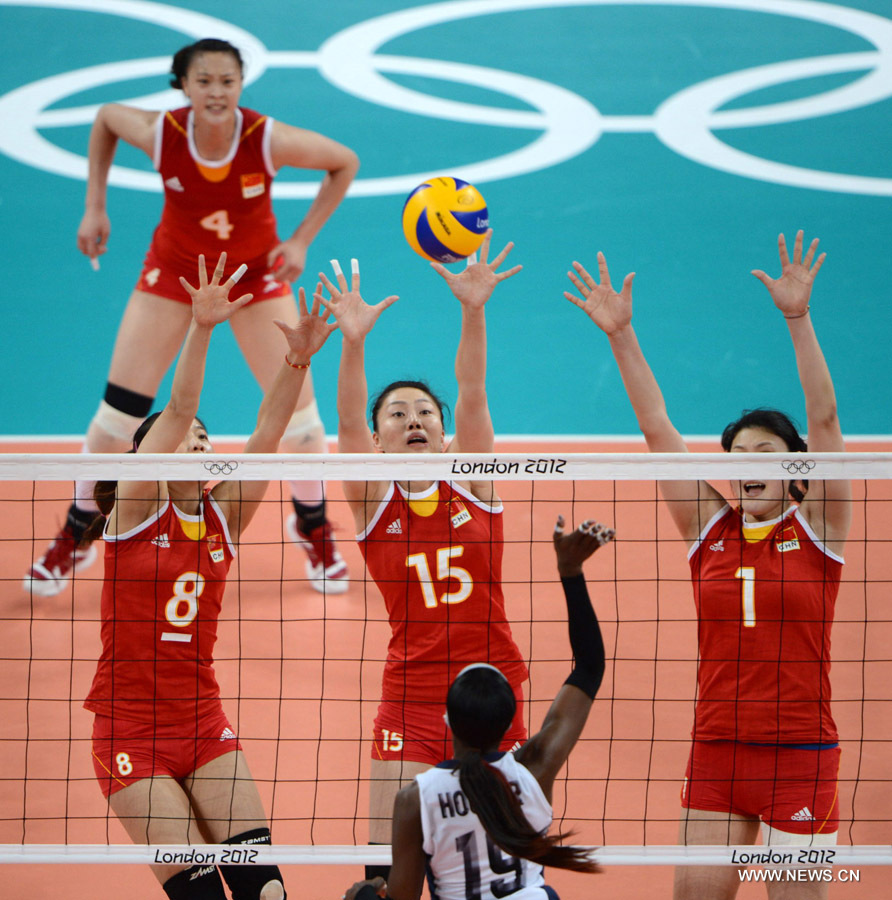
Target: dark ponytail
{"points": [[105, 492], [480, 706], [493, 801]]}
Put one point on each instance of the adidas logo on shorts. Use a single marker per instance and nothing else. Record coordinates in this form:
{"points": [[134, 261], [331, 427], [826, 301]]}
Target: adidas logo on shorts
{"points": [[804, 815], [228, 735], [395, 527]]}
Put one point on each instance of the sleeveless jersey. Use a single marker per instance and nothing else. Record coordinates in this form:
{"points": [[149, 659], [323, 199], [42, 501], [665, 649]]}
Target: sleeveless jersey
{"points": [[161, 599], [436, 557], [212, 205], [765, 595], [459, 848]]}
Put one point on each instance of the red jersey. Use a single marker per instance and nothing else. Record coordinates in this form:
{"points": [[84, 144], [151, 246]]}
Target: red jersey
{"points": [[436, 556], [212, 205], [161, 599], [765, 594]]}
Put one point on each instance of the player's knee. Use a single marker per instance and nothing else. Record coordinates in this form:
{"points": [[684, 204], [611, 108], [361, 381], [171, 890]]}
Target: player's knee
{"points": [[197, 883], [305, 427], [273, 890], [254, 882], [120, 413]]}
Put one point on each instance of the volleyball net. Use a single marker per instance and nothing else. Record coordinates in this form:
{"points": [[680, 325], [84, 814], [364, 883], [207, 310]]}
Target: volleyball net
{"points": [[300, 672]]}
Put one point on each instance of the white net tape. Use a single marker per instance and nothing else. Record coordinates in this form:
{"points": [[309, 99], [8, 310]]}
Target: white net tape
{"points": [[444, 467]]}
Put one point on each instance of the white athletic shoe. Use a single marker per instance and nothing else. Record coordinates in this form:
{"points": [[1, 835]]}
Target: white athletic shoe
{"points": [[48, 576], [326, 569]]}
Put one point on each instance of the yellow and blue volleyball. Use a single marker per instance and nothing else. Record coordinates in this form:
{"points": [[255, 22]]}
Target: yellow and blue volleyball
{"points": [[445, 219]]}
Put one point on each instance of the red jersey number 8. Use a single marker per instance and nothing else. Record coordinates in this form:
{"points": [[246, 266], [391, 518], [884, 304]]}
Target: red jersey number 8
{"points": [[182, 608]]}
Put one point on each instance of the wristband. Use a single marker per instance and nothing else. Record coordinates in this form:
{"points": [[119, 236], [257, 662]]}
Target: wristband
{"points": [[807, 308], [296, 365]]}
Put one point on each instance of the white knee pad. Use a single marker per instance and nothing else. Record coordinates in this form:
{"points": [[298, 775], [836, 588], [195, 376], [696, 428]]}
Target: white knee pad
{"points": [[115, 423], [304, 423]]}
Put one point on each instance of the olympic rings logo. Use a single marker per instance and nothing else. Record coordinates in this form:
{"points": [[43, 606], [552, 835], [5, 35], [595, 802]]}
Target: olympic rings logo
{"points": [[798, 466], [221, 468], [564, 124]]}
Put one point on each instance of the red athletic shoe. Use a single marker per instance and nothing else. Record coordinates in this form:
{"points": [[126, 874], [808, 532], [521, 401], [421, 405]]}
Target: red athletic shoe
{"points": [[326, 569], [63, 558]]}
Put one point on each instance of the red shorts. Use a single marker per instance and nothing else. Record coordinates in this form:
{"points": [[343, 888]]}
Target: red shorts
{"points": [[125, 752], [788, 788], [417, 732], [163, 279]]}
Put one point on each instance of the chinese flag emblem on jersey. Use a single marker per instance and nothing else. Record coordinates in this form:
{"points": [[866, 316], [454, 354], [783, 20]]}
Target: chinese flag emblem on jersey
{"points": [[215, 546], [253, 185]]}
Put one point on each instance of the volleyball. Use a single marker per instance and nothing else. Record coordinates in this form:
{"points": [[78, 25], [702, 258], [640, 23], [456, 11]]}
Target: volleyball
{"points": [[445, 219]]}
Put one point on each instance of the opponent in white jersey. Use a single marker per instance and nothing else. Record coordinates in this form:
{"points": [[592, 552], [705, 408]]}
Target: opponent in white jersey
{"points": [[477, 825]]}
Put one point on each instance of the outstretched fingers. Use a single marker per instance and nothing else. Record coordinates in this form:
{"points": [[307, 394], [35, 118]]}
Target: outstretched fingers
{"points": [[218, 270], [339, 274], [501, 257], [484, 247], [782, 250], [323, 280]]}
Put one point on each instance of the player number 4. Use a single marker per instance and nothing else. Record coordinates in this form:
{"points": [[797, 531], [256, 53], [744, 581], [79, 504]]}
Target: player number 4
{"points": [[445, 571], [747, 576], [219, 223]]}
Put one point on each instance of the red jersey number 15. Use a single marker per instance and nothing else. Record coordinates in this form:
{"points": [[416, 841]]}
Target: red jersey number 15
{"points": [[445, 571]]}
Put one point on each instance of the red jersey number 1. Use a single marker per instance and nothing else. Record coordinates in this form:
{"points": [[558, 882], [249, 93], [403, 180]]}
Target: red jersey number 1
{"points": [[747, 576]]}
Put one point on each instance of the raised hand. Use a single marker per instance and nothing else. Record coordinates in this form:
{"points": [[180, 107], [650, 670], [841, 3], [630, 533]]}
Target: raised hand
{"points": [[600, 302], [575, 548], [474, 285], [356, 318], [791, 292], [210, 300], [312, 329]]}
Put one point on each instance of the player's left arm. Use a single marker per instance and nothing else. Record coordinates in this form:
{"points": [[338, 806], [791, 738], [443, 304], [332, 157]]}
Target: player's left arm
{"points": [[239, 500], [304, 149], [827, 505]]}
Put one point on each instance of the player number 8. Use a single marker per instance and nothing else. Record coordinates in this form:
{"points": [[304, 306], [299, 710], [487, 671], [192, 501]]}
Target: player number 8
{"points": [[122, 761]]}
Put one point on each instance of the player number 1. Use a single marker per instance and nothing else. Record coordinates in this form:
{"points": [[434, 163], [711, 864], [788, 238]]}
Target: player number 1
{"points": [[747, 574]]}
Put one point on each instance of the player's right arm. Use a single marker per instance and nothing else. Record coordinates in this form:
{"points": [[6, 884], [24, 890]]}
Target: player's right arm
{"points": [[355, 318], [113, 122], [690, 506]]}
